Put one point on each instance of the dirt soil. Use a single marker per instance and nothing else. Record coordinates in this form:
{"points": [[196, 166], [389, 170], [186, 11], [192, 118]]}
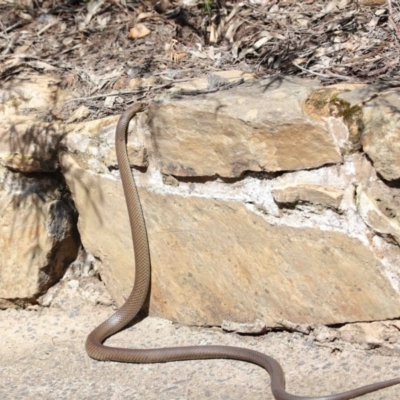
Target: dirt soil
{"points": [[110, 53]]}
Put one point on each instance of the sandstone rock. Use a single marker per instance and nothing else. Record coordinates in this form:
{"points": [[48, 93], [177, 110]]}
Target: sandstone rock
{"points": [[370, 114], [382, 336], [322, 102], [323, 334], [255, 328], [215, 260], [381, 127], [78, 283], [372, 335], [383, 220], [38, 238], [80, 113], [358, 95], [94, 142], [30, 145], [31, 94], [362, 169], [28, 139], [378, 333], [170, 180], [260, 127], [294, 327], [344, 119], [315, 194], [381, 139], [66, 294], [355, 170]]}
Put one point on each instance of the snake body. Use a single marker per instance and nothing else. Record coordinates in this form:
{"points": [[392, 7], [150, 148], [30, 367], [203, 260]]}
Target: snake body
{"points": [[94, 343]]}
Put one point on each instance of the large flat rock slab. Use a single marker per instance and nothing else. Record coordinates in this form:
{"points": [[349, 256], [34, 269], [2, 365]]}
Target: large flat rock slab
{"points": [[254, 127], [216, 260]]}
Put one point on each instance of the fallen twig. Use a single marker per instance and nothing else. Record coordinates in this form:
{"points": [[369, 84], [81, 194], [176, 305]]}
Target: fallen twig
{"points": [[330, 75], [10, 45], [121, 92], [16, 25]]}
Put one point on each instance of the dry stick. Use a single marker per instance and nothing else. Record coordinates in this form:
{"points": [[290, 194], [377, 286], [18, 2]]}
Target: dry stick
{"points": [[10, 45], [16, 25], [366, 56], [23, 56], [136, 91], [118, 4], [383, 69], [391, 20], [330, 74], [48, 26], [99, 96]]}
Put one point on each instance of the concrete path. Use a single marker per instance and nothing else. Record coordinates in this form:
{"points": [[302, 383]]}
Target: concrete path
{"points": [[43, 357]]}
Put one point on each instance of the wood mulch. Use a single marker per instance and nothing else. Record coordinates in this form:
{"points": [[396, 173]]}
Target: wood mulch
{"points": [[112, 52]]}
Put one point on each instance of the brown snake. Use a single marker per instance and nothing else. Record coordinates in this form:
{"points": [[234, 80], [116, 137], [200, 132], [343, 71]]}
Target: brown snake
{"points": [[94, 342]]}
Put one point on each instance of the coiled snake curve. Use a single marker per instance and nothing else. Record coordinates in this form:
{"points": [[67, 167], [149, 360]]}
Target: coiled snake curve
{"points": [[94, 343]]}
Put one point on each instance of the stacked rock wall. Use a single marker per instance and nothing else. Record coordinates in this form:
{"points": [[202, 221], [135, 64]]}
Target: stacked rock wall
{"points": [[277, 200]]}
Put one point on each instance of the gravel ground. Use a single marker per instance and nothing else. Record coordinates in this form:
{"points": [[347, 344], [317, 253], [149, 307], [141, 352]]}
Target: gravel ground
{"points": [[43, 356]]}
